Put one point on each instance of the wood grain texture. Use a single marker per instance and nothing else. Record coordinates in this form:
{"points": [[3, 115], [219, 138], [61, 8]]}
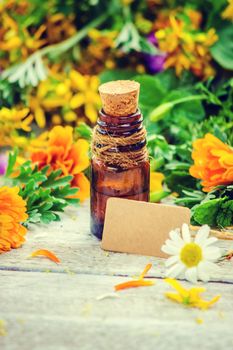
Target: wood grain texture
{"points": [[60, 311], [80, 252], [54, 307]]}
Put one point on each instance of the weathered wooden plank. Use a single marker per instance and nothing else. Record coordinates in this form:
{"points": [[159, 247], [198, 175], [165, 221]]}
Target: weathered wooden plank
{"points": [[60, 311], [102, 334], [80, 252]]}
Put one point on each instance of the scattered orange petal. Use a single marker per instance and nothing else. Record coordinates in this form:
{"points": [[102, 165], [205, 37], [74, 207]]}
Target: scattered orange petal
{"points": [[147, 268], [133, 284], [47, 254], [140, 282]]}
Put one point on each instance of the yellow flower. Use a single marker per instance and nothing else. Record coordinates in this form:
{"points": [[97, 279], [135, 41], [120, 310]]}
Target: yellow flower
{"points": [[12, 214], [179, 35], [156, 187], [38, 143], [110, 64], [99, 53], [211, 37], [50, 95], [11, 44], [70, 116], [101, 43], [31, 43], [228, 12], [56, 119], [140, 69], [65, 96], [189, 297], [10, 121], [17, 42], [87, 94], [19, 7], [59, 27], [10, 41], [156, 180]]}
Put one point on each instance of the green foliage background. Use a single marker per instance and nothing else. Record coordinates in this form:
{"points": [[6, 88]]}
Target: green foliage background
{"points": [[177, 110]]}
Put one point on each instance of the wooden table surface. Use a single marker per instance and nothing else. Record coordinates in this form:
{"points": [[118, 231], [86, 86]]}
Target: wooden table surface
{"points": [[44, 306]]}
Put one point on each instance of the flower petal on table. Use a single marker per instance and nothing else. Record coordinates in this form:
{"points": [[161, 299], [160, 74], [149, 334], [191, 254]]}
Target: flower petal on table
{"points": [[47, 253], [133, 284]]}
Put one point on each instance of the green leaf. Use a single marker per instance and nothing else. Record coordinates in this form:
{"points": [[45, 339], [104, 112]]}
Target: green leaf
{"points": [[156, 197], [210, 96], [47, 217], [28, 189], [34, 216], [59, 205], [84, 131], [60, 192], [178, 180], [51, 183], [222, 50], [31, 199], [11, 162], [179, 104], [45, 169], [168, 79], [151, 94], [40, 69], [147, 47], [206, 213], [178, 166], [191, 110], [190, 198], [9, 93], [53, 175], [73, 201], [129, 40], [45, 194], [225, 216], [44, 207]]}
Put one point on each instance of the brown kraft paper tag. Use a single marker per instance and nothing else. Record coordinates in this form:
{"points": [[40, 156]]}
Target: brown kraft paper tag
{"points": [[139, 227]]}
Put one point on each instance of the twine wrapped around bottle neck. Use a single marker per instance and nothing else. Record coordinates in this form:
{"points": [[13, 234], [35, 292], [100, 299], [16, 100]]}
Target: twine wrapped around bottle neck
{"points": [[108, 148]]}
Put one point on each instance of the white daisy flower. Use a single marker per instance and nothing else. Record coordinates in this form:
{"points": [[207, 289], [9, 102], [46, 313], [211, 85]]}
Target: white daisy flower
{"points": [[193, 259]]}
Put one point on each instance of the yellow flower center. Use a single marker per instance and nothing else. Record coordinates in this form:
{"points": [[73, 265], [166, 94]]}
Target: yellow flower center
{"points": [[191, 254]]}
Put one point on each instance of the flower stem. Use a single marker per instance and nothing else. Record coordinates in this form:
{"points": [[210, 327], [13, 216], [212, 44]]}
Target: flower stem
{"points": [[189, 98], [159, 112], [70, 42], [55, 49]]}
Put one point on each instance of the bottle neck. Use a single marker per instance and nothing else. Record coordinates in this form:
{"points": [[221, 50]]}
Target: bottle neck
{"points": [[120, 142], [119, 126]]}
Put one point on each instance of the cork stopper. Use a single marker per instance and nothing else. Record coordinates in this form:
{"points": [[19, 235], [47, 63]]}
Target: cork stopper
{"points": [[120, 97]]}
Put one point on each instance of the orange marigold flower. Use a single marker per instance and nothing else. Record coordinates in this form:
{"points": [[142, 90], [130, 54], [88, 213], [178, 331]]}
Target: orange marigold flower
{"points": [[12, 213], [213, 162], [61, 152]]}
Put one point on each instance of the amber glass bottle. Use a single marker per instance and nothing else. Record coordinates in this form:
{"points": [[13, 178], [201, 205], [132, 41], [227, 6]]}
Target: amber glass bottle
{"points": [[121, 167]]}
